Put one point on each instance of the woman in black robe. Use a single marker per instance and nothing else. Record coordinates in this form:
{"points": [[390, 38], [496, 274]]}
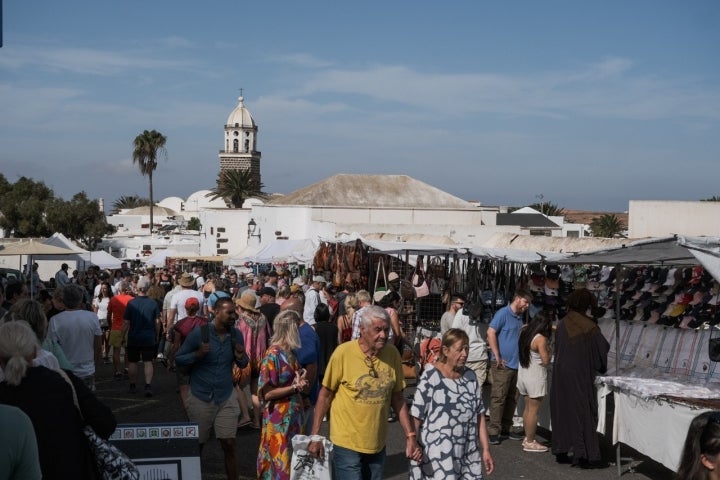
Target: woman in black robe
{"points": [[580, 353]]}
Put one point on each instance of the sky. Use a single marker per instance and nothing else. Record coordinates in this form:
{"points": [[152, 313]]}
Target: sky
{"points": [[586, 105]]}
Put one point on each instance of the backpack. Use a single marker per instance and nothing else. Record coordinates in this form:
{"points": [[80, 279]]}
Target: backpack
{"points": [[205, 338], [429, 351]]}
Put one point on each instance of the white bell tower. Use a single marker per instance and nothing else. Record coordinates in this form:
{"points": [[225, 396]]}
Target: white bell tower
{"points": [[240, 147]]}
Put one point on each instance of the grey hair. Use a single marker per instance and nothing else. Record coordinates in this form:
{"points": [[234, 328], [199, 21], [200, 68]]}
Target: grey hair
{"points": [[373, 312], [18, 345], [285, 329], [72, 295], [32, 312]]}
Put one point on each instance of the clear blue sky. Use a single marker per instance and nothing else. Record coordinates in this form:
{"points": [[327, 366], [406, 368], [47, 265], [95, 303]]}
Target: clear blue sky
{"points": [[590, 104]]}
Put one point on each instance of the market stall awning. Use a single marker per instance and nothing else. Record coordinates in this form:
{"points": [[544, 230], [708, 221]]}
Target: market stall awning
{"points": [[517, 256], [661, 251]]}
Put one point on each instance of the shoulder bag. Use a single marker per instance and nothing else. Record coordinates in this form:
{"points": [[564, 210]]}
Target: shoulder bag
{"points": [[111, 462]]}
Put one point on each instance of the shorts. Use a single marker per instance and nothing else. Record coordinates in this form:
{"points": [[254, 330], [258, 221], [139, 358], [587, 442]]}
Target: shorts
{"points": [[532, 381], [104, 325], [223, 418], [115, 338], [133, 354]]}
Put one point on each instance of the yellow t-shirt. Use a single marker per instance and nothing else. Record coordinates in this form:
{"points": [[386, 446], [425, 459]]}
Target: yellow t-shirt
{"points": [[359, 410]]}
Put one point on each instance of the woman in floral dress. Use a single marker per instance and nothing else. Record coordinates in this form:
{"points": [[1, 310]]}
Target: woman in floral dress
{"points": [[450, 417], [280, 388]]}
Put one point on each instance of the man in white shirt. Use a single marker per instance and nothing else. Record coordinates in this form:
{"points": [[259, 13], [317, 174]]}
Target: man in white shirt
{"points": [[313, 298], [477, 358], [177, 304]]}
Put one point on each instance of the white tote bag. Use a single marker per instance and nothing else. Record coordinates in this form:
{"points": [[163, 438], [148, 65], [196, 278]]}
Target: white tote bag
{"points": [[304, 466]]}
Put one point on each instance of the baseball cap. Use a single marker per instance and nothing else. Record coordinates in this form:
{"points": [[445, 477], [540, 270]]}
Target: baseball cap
{"points": [[192, 302], [267, 291]]}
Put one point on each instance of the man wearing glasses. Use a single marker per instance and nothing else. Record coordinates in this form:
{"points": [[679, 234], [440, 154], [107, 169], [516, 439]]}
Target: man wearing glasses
{"points": [[361, 380], [477, 359]]}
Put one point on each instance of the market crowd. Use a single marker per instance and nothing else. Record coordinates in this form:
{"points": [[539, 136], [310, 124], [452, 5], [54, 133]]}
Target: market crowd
{"points": [[283, 355]]}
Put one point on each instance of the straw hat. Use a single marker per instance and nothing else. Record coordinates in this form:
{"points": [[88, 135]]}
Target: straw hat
{"points": [[247, 301], [186, 280]]}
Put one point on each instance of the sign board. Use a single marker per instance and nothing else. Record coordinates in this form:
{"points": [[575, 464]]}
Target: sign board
{"points": [[161, 451]]}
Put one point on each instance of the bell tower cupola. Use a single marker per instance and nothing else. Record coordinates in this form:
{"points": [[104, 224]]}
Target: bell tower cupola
{"points": [[240, 148]]}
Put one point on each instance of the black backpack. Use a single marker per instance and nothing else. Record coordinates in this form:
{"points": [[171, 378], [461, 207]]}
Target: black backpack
{"points": [[205, 338]]}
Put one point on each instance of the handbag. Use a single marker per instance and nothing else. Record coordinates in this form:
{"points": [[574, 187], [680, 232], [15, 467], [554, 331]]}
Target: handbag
{"points": [[408, 362], [111, 462], [304, 466], [418, 280]]}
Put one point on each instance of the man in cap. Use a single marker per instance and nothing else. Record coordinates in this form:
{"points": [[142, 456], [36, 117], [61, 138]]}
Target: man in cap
{"points": [[142, 324], [313, 298], [268, 307]]}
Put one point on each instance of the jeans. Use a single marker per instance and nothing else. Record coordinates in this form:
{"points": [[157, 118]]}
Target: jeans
{"points": [[352, 465]]}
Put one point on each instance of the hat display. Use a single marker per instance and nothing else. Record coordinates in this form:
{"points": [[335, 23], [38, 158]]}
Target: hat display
{"points": [[192, 302], [319, 279], [267, 291], [186, 280], [552, 272], [393, 276], [247, 301]]}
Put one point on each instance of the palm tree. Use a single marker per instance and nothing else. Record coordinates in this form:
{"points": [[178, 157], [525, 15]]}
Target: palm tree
{"points": [[235, 186], [608, 226], [549, 209], [127, 202], [147, 145]]}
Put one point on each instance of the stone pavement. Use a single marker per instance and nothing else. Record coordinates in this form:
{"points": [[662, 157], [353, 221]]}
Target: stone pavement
{"points": [[511, 462]]}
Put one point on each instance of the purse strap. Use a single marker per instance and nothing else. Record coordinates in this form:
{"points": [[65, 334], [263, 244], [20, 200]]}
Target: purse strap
{"points": [[74, 394]]}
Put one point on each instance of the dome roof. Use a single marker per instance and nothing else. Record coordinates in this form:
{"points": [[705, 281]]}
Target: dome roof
{"points": [[240, 116]]}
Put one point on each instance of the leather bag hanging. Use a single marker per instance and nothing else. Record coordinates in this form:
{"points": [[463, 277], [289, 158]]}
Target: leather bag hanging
{"points": [[418, 280], [380, 268]]}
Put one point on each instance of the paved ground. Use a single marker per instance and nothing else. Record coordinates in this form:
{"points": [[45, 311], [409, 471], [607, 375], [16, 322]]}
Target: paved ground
{"points": [[511, 462]]}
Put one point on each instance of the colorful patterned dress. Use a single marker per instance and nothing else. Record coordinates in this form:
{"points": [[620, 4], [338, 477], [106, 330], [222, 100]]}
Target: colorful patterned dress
{"points": [[282, 418]]}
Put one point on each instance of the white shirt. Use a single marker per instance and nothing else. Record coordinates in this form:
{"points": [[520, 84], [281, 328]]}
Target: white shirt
{"points": [[178, 302], [478, 347]]}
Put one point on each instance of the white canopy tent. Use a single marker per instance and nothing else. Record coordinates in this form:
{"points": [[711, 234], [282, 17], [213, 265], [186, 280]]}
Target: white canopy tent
{"points": [[291, 251]]}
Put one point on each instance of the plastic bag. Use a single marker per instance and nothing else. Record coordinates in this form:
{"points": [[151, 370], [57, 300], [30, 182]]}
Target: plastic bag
{"points": [[303, 465]]}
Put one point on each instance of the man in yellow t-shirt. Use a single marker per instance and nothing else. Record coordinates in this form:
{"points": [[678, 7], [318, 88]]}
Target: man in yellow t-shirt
{"points": [[362, 379]]}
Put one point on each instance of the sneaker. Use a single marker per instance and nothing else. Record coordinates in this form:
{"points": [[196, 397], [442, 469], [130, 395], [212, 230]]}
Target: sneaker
{"points": [[160, 356], [132, 388], [494, 439], [118, 376], [516, 436], [534, 447], [148, 391]]}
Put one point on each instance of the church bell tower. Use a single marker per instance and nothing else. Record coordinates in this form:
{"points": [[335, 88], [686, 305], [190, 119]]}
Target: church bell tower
{"points": [[240, 151]]}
